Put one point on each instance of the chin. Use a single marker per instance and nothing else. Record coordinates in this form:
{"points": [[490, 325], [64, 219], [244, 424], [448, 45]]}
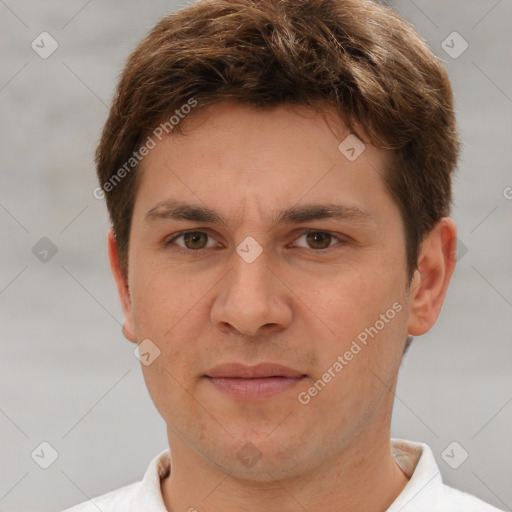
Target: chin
{"points": [[261, 459]]}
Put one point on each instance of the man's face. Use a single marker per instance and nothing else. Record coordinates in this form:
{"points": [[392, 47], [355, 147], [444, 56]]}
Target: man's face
{"points": [[320, 290]]}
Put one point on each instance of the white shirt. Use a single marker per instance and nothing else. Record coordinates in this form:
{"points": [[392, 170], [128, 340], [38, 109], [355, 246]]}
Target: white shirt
{"points": [[425, 491]]}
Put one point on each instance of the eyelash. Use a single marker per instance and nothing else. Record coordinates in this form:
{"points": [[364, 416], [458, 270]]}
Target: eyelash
{"points": [[170, 241]]}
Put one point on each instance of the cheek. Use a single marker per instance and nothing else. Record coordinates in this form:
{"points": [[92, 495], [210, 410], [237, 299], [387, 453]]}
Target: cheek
{"points": [[159, 299], [353, 300], [364, 360], [168, 311], [367, 311]]}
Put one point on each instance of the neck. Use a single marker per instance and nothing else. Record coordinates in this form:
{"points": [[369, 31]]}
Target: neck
{"points": [[363, 476]]}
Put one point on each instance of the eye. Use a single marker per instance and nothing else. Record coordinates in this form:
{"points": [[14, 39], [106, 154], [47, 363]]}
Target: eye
{"points": [[192, 240], [319, 240], [196, 241]]}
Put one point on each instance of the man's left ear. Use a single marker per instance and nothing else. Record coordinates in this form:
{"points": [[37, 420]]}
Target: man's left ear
{"points": [[436, 263]]}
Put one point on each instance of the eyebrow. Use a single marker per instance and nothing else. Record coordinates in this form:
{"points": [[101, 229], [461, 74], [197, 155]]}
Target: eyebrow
{"points": [[181, 211]]}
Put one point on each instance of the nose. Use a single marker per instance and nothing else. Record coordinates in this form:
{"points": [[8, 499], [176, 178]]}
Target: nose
{"points": [[253, 298]]}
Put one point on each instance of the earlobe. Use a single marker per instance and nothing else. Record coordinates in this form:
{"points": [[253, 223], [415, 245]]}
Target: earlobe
{"points": [[436, 263], [123, 289], [128, 334]]}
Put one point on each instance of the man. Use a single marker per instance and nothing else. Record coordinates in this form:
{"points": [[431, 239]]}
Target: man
{"points": [[278, 176]]}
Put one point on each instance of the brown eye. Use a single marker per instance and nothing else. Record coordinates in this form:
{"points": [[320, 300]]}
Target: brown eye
{"points": [[195, 240], [320, 242], [319, 239]]}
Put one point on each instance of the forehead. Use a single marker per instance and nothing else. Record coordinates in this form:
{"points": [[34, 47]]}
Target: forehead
{"points": [[232, 158]]}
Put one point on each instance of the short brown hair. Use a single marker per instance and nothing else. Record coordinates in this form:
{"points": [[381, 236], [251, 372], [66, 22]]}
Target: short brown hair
{"points": [[354, 55]]}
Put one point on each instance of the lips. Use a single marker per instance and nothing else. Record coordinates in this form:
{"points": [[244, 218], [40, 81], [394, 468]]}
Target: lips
{"points": [[253, 382], [259, 371]]}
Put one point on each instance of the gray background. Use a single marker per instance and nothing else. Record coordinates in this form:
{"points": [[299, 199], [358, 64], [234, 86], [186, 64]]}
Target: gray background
{"points": [[67, 375]]}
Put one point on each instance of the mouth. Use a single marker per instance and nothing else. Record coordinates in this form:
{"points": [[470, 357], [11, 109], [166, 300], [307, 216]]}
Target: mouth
{"points": [[253, 382]]}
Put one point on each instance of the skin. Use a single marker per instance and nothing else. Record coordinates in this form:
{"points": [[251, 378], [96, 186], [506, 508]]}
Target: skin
{"points": [[292, 306]]}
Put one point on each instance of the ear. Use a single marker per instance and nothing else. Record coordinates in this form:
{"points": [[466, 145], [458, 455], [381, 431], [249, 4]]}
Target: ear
{"points": [[122, 287], [436, 263]]}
